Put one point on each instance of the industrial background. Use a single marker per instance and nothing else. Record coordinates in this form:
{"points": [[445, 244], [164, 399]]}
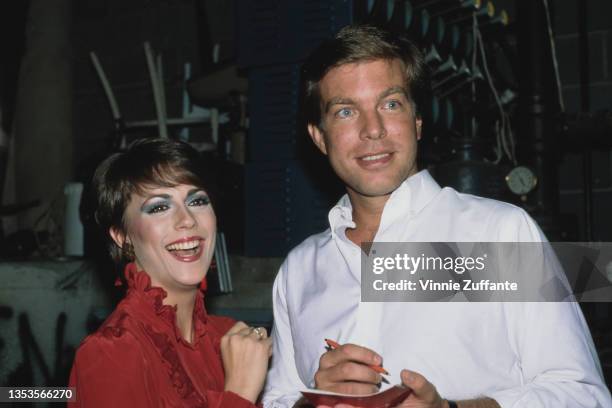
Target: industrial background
{"points": [[520, 111]]}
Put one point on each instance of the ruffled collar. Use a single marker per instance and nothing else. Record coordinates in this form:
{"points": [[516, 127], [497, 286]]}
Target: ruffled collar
{"points": [[139, 285]]}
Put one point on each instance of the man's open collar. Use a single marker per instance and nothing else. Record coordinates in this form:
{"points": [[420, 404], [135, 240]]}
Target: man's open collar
{"points": [[407, 200]]}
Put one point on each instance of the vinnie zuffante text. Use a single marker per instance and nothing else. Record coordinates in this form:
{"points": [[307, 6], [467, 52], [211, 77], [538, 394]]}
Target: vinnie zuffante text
{"points": [[435, 265]]}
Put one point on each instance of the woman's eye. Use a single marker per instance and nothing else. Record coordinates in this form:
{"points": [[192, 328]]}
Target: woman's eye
{"points": [[157, 208], [200, 201]]}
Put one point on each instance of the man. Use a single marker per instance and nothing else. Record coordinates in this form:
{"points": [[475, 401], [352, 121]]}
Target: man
{"points": [[361, 98]]}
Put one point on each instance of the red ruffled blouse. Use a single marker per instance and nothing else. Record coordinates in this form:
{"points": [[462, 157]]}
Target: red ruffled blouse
{"points": [[137, 358]]}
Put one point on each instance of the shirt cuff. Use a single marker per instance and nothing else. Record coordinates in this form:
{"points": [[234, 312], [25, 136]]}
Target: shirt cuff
{"points": [[286, 401], [231, 399]]}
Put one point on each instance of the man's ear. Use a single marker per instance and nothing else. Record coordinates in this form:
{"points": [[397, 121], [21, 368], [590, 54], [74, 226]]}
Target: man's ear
{"points": [[317, 137], [419, 126], [117, 236]]}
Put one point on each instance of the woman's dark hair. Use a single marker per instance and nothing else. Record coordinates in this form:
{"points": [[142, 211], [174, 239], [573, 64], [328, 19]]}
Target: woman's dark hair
{"points": [[147, 163], [359, 43]]}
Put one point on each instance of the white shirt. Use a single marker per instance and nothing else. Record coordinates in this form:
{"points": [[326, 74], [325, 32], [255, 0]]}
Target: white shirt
{"points": [[520, 354]]}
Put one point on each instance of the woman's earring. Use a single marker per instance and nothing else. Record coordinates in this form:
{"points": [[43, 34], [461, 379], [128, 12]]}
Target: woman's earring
{"points": [[127, 251]]}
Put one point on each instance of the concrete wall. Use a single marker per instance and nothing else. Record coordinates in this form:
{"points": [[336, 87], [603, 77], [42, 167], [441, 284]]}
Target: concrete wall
{"points": [[47, 307]]}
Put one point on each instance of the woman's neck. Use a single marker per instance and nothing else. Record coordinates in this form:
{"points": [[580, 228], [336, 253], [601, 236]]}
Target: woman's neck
{"points": [[185, 303]]}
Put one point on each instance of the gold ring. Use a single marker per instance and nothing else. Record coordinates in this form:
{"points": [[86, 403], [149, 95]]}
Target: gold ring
{"points": [[259, 332]]}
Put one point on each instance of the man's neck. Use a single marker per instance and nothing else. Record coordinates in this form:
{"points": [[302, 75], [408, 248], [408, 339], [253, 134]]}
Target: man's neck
{"points": [[367, 212]]}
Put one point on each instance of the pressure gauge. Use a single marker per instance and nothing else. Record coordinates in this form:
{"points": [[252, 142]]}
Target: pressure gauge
{"points": [[521, 180]]}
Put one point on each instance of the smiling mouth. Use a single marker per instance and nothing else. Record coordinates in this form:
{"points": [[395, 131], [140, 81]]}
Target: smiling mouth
{"points": [[186, 251], [374, 161], [375, 157]]}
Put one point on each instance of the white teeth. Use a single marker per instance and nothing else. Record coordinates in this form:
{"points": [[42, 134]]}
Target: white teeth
{"points": [[375, 157], [183, 246]]}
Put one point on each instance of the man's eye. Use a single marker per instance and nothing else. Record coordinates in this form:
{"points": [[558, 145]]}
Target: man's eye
{"points": [[200, 201], [344, 113], [392, 105]]}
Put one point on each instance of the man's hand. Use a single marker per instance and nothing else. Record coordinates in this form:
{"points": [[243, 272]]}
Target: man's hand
{"points": [[424, 394], [346, 370]]}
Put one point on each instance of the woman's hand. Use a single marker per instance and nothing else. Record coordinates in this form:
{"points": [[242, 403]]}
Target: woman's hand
{"points": [[245, 352]]}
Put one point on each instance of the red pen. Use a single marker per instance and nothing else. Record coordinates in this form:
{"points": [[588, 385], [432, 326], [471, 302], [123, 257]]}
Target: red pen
{"points": [[334, 345]]}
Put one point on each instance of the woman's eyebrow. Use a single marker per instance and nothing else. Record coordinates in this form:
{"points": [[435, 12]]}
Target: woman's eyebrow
{"points": [[164, 196], [195, 191]]}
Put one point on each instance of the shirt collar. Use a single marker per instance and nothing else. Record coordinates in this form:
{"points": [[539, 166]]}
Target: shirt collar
{"points": [[407, 200], [139, 285]]}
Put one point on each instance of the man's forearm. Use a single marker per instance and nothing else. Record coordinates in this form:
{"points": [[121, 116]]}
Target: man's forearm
{"points": [[476, 403]]}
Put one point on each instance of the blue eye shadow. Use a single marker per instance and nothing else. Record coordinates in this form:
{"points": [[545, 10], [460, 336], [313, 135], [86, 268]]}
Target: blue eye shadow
{"points": [[200, 195], [150, 206]]}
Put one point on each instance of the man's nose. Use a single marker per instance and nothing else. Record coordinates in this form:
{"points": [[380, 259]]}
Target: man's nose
{"points": [[373, 126]]}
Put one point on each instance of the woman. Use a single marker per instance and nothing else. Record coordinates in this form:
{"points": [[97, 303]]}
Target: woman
{"points": [[159, 348]]}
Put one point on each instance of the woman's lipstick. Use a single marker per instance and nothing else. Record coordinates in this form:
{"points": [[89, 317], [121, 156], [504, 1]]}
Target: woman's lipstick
{"points": [[188, 249]]}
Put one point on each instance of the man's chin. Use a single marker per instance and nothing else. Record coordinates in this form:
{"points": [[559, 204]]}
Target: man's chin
{"points": [[374, 190], [380, 185]]}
